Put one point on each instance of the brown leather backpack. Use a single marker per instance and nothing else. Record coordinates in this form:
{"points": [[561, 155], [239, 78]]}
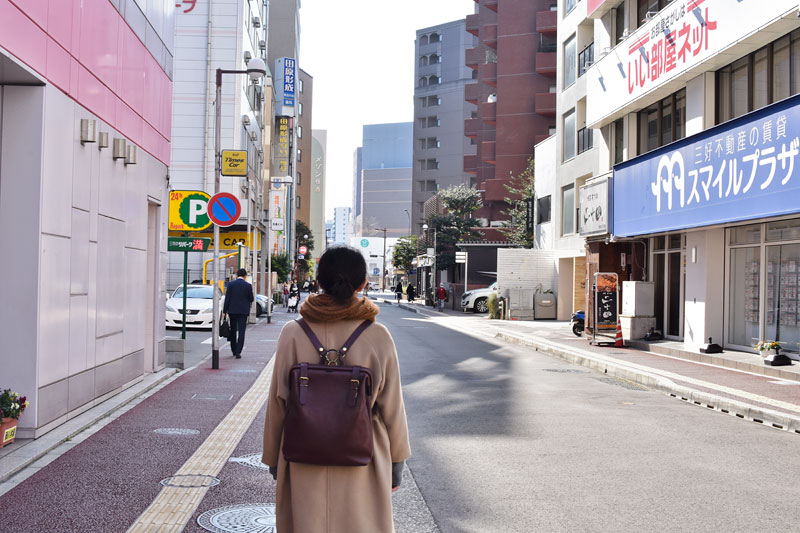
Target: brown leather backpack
{"points": [[328, 419]]}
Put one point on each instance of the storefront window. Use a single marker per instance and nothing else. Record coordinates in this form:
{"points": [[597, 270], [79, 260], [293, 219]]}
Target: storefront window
{"points": [[744, 301], [784, 230], [745, 234], [782, 303]]}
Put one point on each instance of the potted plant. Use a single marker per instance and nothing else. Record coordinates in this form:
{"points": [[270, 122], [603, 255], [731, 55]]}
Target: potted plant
{"points": [[770, 351], [12, 405]]}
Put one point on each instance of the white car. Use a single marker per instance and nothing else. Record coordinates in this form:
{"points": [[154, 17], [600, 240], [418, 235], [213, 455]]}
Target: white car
{"points": [[477, 300], [199, 300]]}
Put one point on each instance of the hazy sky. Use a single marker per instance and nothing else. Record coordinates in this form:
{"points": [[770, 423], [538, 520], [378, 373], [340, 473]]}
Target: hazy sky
{"points": [[361, 55]]}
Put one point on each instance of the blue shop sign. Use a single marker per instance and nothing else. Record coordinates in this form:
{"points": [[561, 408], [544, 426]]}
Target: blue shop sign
{"points": [[740, 170]]}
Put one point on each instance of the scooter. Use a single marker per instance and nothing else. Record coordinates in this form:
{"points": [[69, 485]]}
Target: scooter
{"points": [[577, 322]]}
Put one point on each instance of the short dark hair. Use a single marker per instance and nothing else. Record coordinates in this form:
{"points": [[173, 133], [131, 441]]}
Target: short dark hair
{"points": [[340, 271], [242, 273]]}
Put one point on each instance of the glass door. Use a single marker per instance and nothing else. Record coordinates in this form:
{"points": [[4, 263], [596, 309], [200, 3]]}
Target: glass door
{"points": [[668, 279], [744, 301], [781, 324]]}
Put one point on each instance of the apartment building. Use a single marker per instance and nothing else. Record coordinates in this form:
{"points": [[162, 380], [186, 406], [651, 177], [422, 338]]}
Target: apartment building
{"points": [[319, 147], [85, 128], [439, 114], [340, 230], [687, 179], [515, 67], [303, 181]]}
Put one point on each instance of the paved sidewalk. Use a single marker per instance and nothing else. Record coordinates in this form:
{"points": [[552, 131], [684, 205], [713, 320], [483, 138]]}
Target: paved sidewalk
{"points": [[735, 383], [184, 452]]}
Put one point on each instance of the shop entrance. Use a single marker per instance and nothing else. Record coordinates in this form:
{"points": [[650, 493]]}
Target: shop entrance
{"points": [[668, 277]]}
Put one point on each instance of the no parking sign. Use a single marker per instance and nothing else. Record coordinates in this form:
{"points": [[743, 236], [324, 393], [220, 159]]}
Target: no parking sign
{"points": [[224, 209]]}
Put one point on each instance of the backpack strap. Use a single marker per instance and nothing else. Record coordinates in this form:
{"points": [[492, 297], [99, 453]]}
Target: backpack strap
{"points": [[318, 345], [311, 336], [356, 334]]}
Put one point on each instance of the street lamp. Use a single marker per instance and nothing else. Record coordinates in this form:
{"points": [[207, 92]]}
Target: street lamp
{"points": [[433, 275], [256, 69]]}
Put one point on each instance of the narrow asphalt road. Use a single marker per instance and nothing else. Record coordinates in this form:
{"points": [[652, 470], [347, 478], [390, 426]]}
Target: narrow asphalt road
{"points": [[507, 439]]}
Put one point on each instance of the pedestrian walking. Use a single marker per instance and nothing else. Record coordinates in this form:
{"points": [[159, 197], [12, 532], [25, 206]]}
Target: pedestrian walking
{"points": [[398, 292], [306, 285], [317, 497], [441, 296], [285, 294], [411, 293], [238, 299]]}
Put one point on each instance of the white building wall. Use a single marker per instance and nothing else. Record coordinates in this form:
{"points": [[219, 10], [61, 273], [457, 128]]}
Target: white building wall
{"points": [[77, 222]]}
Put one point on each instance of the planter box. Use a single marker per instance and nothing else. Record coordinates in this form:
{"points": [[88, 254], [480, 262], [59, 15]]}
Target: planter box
{"points": [[8, 431]]}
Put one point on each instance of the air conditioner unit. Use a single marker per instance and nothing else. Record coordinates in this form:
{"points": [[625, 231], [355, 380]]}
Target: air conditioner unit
{"points": [[256, 22]]}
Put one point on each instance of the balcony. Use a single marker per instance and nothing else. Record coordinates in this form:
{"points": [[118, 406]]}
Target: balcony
{"points": [[491, 4], [474, 57], [488, 152], [489, 112], [472, 92], [471, 127], [473, 24], [471, 164], [487, 73], [546, 21], [489, 35], [545, 63], [546, 104]]}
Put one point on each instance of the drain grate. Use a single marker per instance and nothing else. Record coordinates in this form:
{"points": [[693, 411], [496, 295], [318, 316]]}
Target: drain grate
{"points": [[252, 460], [176, 431], [624, 383], [190, 481], [566, 370], [242, 518], [207, 396]]}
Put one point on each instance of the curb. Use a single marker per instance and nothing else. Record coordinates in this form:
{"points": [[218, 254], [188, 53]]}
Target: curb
{"points": [[66, 434], [728, 406]]}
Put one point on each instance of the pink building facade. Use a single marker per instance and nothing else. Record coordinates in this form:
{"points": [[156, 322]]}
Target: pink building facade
{"points": [[85, 122]]}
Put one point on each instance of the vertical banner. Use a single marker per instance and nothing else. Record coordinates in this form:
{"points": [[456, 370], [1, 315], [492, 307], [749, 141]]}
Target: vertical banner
{"points": [[283, 155], [276, 211], [606, 296], [285, 80]]}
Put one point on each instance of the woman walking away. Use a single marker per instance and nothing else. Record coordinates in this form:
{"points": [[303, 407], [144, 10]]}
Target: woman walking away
{"points": [[398, 292], [411, 293], [336, 327]]}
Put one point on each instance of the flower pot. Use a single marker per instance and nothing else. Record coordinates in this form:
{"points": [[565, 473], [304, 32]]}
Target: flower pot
{"points": [[8, 430]]}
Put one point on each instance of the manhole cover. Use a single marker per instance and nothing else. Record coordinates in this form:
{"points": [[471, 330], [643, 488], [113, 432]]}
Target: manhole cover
{"points": [[190, 481], [625, 384], [206, 396], [176, 431], [253, 460], [242, 518], [565, 370], [244, 370]]}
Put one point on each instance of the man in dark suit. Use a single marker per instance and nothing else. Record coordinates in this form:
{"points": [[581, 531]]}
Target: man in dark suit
{"points": [[238, 299]]}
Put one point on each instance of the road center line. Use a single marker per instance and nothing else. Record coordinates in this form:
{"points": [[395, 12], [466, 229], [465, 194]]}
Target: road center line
{"points": [[174, 506]]}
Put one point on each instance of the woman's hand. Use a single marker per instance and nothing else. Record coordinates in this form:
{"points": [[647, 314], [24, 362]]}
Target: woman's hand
{"points": [[397, 475]]}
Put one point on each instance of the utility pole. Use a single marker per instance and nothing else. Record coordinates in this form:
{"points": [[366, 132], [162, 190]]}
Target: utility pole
{"points": [[383, 266]]}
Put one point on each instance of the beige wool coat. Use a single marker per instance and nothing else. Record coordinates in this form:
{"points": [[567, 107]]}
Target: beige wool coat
{"points": [[338, 499]]}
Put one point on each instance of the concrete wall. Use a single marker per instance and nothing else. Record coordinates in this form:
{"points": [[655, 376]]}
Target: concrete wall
{"points": [[96, 229], [520, 272]]}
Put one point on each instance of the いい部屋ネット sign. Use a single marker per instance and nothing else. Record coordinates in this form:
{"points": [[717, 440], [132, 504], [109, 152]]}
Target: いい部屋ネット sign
{"points": [[234, 163], [188, 211]]}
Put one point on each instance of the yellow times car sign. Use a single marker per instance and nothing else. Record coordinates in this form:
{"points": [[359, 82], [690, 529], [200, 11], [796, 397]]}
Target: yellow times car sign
{"points": [[234, 163]]}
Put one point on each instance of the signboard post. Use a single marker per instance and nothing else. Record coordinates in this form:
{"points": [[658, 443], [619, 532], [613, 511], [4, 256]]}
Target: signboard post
{"points": [[606, 296], [186, 244], [462, 257]]}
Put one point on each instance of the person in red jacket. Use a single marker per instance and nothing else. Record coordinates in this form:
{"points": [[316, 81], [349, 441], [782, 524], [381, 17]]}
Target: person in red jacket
{"points": [[441, 296]]}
